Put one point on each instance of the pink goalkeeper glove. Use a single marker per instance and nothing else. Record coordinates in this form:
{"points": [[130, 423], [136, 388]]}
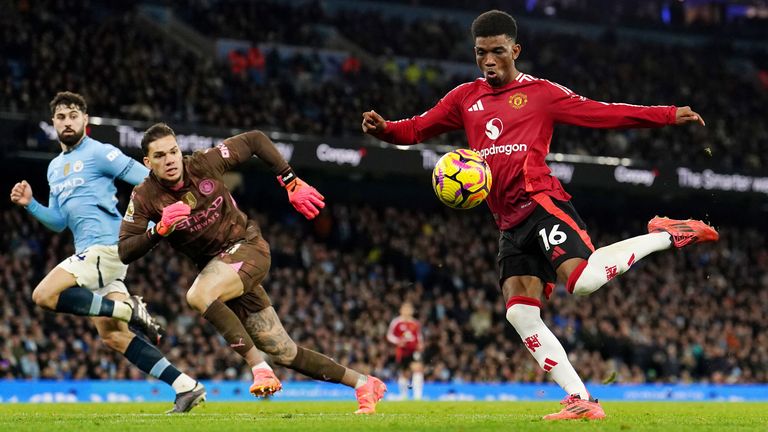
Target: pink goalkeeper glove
{"points": [[172, 215], [304, 198]]}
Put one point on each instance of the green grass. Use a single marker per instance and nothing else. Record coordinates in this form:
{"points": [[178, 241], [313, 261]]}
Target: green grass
{"points": [[391, 416]]}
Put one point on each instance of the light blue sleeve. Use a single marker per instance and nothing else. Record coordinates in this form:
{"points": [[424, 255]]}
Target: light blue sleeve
{"points": [[51, 216], [111, 161], [134, 173]]}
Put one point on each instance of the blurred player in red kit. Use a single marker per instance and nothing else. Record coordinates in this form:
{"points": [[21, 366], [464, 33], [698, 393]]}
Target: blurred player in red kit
{"points": [[508, 117], [405, 333]]}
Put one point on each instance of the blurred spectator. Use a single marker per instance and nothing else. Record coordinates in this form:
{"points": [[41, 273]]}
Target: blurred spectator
{"points": [[256, 65], [237, 62], [351, 66]]}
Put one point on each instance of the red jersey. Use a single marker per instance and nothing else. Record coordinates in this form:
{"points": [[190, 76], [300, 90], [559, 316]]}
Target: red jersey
{"points": [[512, 126], [405, 334]]}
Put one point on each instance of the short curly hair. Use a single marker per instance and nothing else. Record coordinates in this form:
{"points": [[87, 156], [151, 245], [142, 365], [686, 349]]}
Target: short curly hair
{"points": [[494, 23], [68, 99]]}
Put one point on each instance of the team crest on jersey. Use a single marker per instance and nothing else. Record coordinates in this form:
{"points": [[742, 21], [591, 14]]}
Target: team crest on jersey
{"points": [[189, 199], [77, 166], [518, 100], [206, 187]]}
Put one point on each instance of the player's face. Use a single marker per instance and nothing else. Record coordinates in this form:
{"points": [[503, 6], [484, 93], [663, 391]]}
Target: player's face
{"points": [[406, 310], [164, 159], [496, 57], [69, 123]]}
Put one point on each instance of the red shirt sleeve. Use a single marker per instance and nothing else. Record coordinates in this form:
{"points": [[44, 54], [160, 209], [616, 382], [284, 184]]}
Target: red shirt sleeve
{"points": [[569, 108], [391, 336], [443, 117]]}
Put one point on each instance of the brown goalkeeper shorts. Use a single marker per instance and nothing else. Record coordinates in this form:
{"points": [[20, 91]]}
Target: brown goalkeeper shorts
{"points": [[251, 259]]}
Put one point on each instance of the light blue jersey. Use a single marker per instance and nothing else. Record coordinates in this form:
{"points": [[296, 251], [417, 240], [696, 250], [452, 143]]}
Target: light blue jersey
{"points": [[83, 191]]}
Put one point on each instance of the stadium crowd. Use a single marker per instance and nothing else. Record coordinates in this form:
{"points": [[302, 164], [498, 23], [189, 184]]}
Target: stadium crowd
{"points": [[680, 316], [107, 53], [728, 19]]}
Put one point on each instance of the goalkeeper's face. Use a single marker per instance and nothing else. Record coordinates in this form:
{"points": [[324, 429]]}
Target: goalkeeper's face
{"points": [[164, 160], [495, 56]]}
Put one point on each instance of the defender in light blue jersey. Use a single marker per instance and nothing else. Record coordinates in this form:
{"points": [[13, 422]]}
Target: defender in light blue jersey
{"points": [[82, 196], [91, 282]]}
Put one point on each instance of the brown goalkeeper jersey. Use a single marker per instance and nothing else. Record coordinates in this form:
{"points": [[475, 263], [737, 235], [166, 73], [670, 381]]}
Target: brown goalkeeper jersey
{"points": [[215, 221]]}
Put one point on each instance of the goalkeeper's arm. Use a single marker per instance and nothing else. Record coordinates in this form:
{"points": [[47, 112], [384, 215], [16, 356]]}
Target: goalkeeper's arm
{"points": [[240, 148], [135, 246], [304, 198], [136, 240]]}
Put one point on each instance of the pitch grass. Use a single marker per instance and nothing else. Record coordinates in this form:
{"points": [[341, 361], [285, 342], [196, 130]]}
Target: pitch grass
{"points": [[391, 416]]}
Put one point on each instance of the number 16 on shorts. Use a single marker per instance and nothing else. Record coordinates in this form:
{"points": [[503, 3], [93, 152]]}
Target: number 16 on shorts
{"points": [[553, 238]]}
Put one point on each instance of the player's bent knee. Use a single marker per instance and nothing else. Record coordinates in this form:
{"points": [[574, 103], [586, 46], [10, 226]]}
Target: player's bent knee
{"points": [[590, 280], [197, 300], [584, 291], [43, 299]]}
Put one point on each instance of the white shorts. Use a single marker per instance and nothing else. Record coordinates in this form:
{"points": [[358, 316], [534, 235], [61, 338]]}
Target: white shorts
{"points": [[98, 269]]}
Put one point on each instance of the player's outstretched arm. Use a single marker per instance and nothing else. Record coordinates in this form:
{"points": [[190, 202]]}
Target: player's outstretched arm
{"points": [[569, 108], [51, 217], [21, 193], [445, 116], [685, 115], [304, 198], [240, 148], [374, 124]]}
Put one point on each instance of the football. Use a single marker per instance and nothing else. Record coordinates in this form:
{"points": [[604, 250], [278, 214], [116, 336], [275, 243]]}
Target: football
{"points": [[461, 179]]}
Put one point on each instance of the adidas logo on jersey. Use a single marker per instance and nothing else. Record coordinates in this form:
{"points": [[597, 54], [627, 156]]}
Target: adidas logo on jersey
{"points": [[478, 106]]}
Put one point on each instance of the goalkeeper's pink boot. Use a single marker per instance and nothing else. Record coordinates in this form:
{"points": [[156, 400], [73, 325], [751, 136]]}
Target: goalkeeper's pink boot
{"points": [[578, 408], [265, 383], [683, 232], [368, 394]]}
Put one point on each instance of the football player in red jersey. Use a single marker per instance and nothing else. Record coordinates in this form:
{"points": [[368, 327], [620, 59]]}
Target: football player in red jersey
{"points": [[404, 333], [508, 117]]}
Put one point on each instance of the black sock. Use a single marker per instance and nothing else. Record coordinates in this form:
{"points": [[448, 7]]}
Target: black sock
{"points": [[80, 301], [151, 361]]}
